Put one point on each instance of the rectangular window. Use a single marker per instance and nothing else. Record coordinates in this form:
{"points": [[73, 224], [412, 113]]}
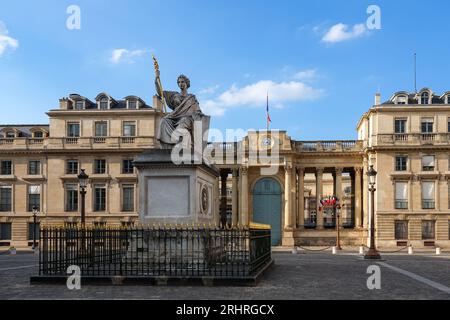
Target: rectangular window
{"points": [[428, 163], [401, 230], [401, 195], [101, 129], [34, 198], [32, 227], [5, 231], [34, 167], [127, 166], [401, 163], [71, 197], [448, 125], [128, 198], [402, 100], [428, 229], [428, 196], [73, 129], [5, 198], [100, 166], [129, 129], [132, 104], [400, 126], [104, 104], [72, 167], [100, 198], [427, 125], [79, 105], [5, 167]]}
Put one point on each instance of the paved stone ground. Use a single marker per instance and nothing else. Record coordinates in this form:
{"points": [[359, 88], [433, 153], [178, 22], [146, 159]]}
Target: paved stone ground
{"points": [[300, 276]]}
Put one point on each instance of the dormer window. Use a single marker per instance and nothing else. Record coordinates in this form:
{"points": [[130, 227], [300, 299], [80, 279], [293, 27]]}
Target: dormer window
{"points": [[79, 105], [402, 100], [38, 134], [10, 134], [132, 104], [103, 103], [448, 99], [424, 98]]}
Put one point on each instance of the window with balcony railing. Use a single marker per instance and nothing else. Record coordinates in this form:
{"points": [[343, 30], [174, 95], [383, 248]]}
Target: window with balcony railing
{"points": [[101, 129], [428, 195], [400, 126], [427, 125], [428, 163], [401, 195], [73, 130]]}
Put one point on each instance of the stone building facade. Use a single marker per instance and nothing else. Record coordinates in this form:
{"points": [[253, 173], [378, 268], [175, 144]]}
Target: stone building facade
{"points": [[266, 177]]}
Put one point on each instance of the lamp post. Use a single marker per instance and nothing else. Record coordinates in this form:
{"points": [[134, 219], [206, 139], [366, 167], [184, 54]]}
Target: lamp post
{"points": [[372, 254], [35, 211], [338, 239], [83, 181]]}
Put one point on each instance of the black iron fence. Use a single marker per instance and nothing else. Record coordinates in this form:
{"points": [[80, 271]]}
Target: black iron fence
{"points": [[155, 251]]}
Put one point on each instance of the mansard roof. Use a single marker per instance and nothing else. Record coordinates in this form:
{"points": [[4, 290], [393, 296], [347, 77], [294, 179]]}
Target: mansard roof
{"points": [[115, 104], [24, 130], [413, 98]]}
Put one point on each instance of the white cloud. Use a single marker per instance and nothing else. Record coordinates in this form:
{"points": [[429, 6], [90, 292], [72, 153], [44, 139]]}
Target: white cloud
{"points": [[341, 32], [209, 90], [254, 95], [5, 40], [125, 55], [306, 75]]}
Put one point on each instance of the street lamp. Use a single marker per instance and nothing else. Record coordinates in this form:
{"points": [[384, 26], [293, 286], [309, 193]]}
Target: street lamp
{"points": [[338, 239], [35, 211], [372, 254], [83, 181]]}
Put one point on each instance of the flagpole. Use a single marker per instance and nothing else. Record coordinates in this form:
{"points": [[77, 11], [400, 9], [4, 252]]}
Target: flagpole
{"points": [[267, 112]]}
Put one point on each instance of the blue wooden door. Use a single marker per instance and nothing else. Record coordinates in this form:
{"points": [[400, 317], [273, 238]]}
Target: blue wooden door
{"points": [[267, 206]]}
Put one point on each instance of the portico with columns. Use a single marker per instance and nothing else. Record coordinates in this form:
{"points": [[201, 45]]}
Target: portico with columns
{"points": [[305, 172]]}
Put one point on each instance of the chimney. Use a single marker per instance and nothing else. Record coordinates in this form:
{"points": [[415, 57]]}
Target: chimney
{"points": [[65, 104], [377, 98]]}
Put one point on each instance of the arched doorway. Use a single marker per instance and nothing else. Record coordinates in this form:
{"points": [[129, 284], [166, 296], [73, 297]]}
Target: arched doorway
{"points": [[267, 206]]}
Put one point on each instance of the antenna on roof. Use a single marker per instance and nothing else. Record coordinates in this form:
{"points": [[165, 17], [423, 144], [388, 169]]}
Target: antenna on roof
{"points": [[415, 72]]}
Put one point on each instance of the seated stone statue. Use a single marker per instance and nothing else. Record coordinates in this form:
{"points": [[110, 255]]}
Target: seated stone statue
{"points": [[186, 110]]}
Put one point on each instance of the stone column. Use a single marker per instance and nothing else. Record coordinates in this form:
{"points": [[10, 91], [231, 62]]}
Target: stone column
{"points": [[338, 183], [223, 197], [287, 196], [301, 197], [293, 217], [234, 201], [358, 198], [319, 193], [244, 196]]}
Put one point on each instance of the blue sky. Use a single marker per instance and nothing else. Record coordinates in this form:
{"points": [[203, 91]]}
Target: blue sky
{"points": [[319, 62]]}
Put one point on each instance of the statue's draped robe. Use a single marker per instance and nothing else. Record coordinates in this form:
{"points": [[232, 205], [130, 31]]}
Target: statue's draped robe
{"points": [[182, 117]]}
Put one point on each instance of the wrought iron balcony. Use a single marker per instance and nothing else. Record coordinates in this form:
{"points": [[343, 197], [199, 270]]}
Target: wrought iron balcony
{"points": [[428, 204], [401, 204]]}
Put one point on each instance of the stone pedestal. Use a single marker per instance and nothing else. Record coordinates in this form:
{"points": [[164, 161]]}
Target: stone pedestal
{"points": [[176, 193]]}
